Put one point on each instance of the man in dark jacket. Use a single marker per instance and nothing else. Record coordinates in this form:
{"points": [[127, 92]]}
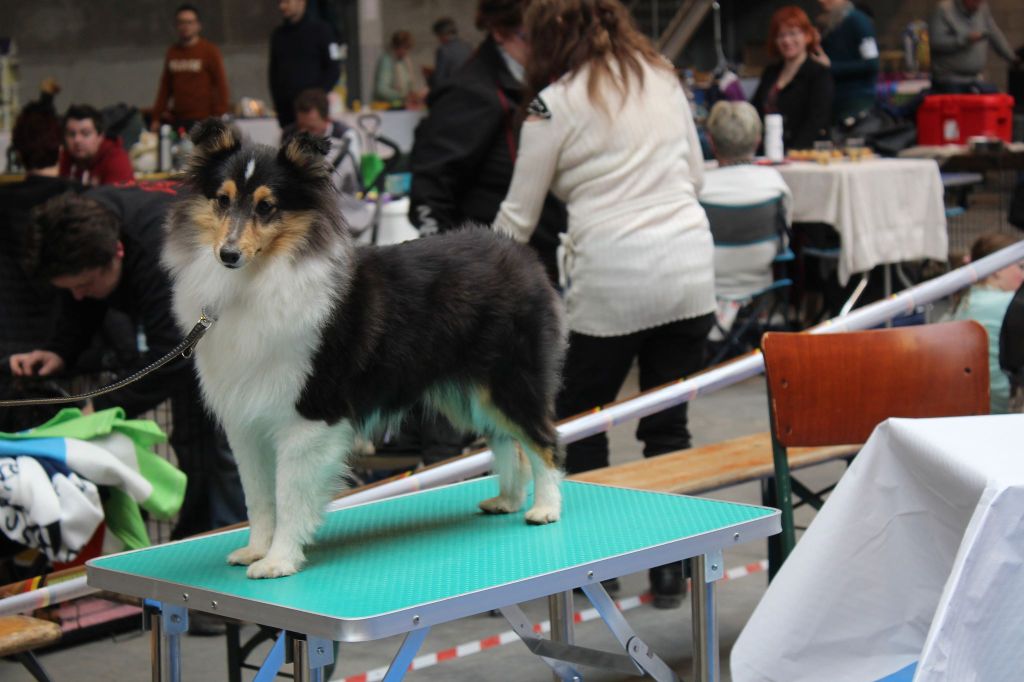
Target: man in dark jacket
{"points": [[103, 249], [849, 49], [465, 149], [303, 54], [452, 52]]}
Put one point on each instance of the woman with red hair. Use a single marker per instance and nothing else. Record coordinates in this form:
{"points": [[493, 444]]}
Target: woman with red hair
{"points": [[796, 86]]}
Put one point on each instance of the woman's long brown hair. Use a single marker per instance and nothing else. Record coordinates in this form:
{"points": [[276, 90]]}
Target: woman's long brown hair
{"points": [[567, 35]]}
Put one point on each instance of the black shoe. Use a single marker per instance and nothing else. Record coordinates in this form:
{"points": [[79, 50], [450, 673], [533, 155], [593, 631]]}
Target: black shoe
{"points": [[667, 586], [611, 586], [205, 625]]}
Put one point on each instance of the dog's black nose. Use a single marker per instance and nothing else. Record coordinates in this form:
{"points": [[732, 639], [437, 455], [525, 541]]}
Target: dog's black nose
{"points": [[230, 256]]}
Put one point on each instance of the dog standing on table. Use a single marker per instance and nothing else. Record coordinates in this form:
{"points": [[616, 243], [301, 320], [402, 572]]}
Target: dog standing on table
{"points": [[317, 342]]}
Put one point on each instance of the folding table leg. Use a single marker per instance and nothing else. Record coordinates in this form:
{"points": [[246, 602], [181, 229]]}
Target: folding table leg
{"points": [[560, 615], [705, 571], [410, 645], [166, 624], [310, 655]]}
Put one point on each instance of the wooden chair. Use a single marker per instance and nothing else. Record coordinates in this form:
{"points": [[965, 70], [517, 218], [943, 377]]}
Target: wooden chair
{"points": [[833, 389]]}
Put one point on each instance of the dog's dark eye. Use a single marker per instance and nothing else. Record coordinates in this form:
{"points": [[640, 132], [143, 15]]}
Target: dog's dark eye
{"points": [[223, 201], [264, 208]]}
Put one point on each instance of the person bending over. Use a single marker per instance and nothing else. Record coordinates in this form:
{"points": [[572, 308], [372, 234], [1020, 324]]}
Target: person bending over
{"points": [[102, 248]]}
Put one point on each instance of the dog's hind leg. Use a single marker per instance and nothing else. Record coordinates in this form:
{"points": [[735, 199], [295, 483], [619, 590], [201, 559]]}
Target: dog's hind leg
{"points": [[255, 459], [547, 480], [311, 457], [512, 471]]}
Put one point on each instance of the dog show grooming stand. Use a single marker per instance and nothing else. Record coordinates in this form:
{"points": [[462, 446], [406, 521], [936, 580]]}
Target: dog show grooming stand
{"points": [[404, 564]]}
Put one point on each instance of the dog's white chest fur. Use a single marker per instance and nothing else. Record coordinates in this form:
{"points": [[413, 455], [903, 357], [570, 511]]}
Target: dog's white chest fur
{"points": [[255, 359]]}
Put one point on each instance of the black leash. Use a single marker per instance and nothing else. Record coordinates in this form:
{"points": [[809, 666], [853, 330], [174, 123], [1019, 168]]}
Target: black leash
{"points": [[184, 349]]}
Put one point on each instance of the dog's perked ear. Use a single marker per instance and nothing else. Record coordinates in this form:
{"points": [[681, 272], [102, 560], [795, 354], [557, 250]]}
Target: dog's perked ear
{"points": [[212, 139], [307, 154]]}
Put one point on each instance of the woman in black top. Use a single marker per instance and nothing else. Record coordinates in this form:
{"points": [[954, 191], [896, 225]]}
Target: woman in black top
{"points": [[797, 86]]}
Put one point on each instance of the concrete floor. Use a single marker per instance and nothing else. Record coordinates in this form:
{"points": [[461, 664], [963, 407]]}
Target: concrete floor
{"points": [[734, 411]]}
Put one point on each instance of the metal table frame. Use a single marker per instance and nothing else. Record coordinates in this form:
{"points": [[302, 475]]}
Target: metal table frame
{"points": [[307, 639]]}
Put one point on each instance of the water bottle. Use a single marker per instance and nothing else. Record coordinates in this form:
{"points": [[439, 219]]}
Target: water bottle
{"points": [[164, 158], [773, 149], [184, 149]]}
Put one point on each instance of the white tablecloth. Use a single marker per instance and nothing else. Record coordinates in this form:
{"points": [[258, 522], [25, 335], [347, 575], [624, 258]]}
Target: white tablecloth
{"points": [[918, 555], [885, 210]]}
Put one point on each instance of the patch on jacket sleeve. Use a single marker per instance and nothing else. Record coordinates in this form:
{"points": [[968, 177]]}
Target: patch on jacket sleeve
{"points": [[538, 108]]}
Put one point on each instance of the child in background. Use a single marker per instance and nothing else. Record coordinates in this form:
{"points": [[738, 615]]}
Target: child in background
{"points": [[986, 302]]}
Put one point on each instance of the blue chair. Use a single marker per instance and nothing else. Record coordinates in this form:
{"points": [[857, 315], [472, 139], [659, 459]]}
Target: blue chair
{"points": [[751, 255]]}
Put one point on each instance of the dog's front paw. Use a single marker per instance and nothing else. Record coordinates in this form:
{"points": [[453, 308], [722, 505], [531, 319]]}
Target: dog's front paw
{"points": [[542, 514], [245, 556], [500, 505], [271, 567]]}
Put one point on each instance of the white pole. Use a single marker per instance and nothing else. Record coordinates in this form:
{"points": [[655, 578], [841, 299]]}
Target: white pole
{"points": [[702, 384], [642, 405]]}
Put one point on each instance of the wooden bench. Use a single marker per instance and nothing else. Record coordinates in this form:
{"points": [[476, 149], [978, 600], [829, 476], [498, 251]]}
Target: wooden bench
{"points": [[19, 635], [710, 467]]}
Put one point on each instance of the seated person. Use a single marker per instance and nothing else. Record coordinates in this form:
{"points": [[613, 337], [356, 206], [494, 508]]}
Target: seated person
{"points": [[89, 156], [346, 148], [796, 86], [987, 302], [734, 129], [395, 79]]}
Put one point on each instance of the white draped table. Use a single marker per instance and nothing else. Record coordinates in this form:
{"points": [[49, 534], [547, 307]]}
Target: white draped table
{"points": [[885, 210], [917, 556]]}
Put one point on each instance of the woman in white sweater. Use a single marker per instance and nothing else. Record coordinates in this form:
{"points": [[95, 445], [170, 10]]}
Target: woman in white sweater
{"points": [[611, 134]]}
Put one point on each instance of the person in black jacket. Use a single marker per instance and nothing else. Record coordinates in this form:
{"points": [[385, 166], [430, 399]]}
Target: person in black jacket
{"points": [[303, 54], [465, 149], [28, 309], [103, 249], [797, 86]]}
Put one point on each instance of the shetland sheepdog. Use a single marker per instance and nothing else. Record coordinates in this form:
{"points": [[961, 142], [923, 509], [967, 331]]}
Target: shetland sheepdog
{"points": [[317, 342]]}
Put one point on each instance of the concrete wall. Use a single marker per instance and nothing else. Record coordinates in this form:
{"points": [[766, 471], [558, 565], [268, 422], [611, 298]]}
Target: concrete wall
{"points": [[107, 51]]}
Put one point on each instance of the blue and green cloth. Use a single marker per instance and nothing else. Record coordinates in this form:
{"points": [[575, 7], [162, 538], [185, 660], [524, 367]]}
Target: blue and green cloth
{"points": [[49, 474]]}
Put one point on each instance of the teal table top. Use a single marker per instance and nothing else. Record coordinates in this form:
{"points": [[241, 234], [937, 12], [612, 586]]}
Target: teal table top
{"points": [[394, 565]]}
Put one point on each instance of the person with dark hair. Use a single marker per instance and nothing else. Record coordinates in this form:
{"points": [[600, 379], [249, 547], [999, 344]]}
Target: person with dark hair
{"points": [[462, 162], [28, 310], [464, 149], [395, 79], [311, 116], [303, 54], [795, 86], [850, 51], [102, 249], [452, 52], [89, 156], [193, 78], [610, 131]]}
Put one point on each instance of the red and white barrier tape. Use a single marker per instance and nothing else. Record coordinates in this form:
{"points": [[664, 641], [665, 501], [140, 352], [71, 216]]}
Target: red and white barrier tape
{"points": [[494, 641]]}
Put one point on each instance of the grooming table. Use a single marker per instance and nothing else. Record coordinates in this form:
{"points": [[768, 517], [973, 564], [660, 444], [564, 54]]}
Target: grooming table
{"points": [[404, 564]]}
